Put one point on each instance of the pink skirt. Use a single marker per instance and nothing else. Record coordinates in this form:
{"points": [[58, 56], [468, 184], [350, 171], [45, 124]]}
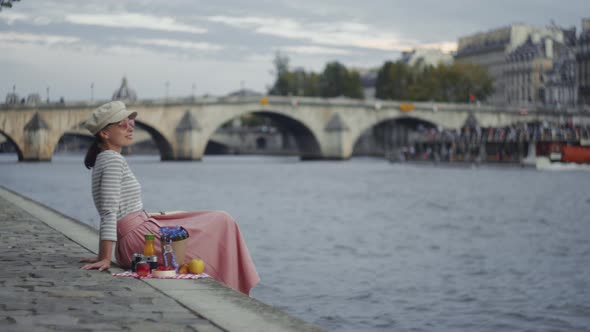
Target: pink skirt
{"points": [[214, 237]]}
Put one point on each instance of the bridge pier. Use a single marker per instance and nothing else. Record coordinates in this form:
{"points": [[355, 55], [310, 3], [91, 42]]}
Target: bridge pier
{"points": [[37, 145], [337, 140], [190, 143]]}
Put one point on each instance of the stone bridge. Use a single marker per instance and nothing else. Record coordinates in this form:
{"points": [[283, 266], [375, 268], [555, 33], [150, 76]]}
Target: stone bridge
{"points": [[323, 128]]}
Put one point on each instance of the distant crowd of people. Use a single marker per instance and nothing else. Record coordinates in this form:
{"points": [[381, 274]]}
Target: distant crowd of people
{"points": [[478, 144], [520, 132]]}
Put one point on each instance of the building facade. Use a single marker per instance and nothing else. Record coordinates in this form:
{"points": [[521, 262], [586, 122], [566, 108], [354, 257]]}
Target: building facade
{"points": [[541, 72], [583, 63], [523, 73], [490, 50], [561, 90]]}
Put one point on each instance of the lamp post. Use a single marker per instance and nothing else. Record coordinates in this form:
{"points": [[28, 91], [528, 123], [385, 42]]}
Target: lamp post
{"points": [[92, 92], [47, 90], [167, 88]]}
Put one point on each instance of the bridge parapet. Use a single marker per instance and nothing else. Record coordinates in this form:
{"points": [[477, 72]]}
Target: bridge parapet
{"points": [[296, 101]]}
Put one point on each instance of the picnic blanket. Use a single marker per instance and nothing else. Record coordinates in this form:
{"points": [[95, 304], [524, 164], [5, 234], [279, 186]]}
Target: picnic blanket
{"points": [[178, 276]]}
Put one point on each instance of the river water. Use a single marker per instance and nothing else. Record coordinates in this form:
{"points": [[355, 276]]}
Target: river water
{"points": [[365, 245]]}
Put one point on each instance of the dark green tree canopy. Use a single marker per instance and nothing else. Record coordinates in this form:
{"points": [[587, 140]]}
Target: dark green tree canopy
{"points": [[7, 3], [444, 83], [338, 81], [334, 81]]}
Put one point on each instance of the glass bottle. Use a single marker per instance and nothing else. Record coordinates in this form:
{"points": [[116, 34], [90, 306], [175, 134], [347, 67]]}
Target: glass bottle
{"points": [[149, 248]]}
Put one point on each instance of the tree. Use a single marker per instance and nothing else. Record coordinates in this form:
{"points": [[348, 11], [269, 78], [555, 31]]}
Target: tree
{"points": [[284, 79], [311, 85], [332, 80], [281, 63], [478, 79], [7, 3], [425, 84], [282, 85], [392, 80], [354, 86], [459, 80], [336, 81], [444, 83]]}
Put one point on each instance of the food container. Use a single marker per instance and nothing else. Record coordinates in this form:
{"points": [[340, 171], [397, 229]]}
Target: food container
{"points": [[164, 274], [179, 241]]}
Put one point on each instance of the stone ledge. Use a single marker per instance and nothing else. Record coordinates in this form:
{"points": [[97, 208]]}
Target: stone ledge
{"points": [[225, 308]]}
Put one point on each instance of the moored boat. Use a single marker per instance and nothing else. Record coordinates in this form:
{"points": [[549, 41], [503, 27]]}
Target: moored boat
{"points": [[575, 154], [563, 157]]}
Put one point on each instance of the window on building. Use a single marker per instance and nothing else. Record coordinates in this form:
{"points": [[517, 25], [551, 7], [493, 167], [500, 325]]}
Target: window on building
{"points": [[541, 95]]}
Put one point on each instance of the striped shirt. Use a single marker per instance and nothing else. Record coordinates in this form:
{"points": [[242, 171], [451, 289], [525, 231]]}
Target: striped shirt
{"points": [[115, 191]]}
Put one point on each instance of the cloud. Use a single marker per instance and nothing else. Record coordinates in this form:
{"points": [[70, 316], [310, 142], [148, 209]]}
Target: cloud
{"points": [[350, 34], [443, 46], [28, 38], [178, 44], [11, 17], [311, 50], [133, 21]]}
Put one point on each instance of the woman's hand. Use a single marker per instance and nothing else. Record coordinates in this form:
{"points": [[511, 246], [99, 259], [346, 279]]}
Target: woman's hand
{"points": [[101, 265], [90, 260], [103, 260], [164, 213]]}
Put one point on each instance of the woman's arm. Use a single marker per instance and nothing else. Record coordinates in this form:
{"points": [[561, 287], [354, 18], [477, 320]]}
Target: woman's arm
{"points": [[103, 261], [110, 196]]}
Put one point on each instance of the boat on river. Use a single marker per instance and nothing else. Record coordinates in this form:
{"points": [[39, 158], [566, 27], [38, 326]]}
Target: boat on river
{"points": [[575, 154], [565, 158]]}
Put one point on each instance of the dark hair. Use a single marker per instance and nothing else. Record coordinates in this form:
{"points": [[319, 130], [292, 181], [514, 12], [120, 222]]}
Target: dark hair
{"points": [[92, 153]]}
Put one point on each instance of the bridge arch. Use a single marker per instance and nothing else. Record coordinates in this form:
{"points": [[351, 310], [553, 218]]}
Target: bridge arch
{"points": [[306, 140], [213, 147], [9, 139], [414, 122], [385, 125], [84, 139], [162, 143]]}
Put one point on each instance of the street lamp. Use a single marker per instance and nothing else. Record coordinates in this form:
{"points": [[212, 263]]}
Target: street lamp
{"points": [[92, 92]]}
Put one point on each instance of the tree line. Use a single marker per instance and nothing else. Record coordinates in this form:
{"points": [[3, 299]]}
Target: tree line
{"points": [[457, 82], [336, 80]]}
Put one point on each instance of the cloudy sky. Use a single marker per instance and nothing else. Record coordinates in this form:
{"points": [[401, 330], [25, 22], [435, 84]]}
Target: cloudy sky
{"points": [[67, 45]]}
